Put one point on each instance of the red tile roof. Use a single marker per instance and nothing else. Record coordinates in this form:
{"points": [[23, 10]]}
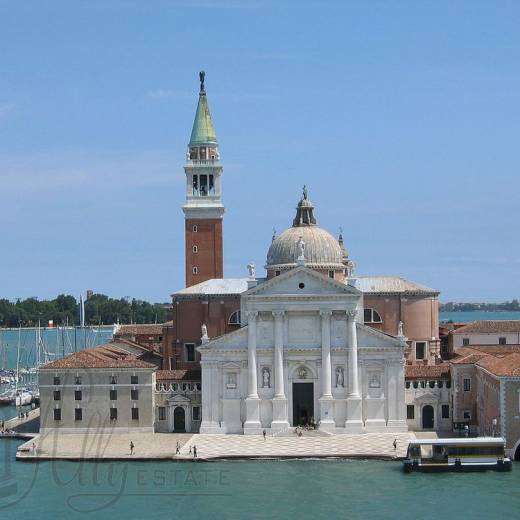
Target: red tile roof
{"points": [[489, 327], [177, 375], [105, 356], [138, 328], [500, 360], [441, 371]]}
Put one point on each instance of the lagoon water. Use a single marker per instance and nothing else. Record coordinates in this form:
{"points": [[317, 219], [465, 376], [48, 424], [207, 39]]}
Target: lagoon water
{"points": [[248, 490]]}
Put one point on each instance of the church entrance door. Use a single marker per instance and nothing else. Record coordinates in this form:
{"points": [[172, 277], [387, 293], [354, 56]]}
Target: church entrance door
{"points": [[179, 419], [427, 417], [303, 403]]}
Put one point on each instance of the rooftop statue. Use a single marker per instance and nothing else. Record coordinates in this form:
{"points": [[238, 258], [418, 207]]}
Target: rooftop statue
{"points": [[305, 193], [202, 75]]}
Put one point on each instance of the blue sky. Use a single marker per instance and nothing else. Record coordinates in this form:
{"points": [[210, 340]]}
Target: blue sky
{"points": [[402, 117]]}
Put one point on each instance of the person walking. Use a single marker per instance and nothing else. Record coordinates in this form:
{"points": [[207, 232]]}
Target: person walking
{"points": [[264, 433], [178, 449], [194, 452], [131, 448], [395, 444], [190, 450]]}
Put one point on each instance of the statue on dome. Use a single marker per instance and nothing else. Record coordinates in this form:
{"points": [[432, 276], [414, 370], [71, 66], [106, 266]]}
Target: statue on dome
{"points": [[300, 246], [202, 74], [305, 193], [252, 271]]}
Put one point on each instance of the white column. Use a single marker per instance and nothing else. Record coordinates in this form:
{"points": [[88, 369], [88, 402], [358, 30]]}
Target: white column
{"points": [[353, 352], [354, 422], [326, 368], [280, 416], [279, 390], [252, 383], [209, 422], [252, 424]]}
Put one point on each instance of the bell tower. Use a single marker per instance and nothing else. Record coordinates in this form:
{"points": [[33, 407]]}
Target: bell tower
{"points": [[203, 209]]}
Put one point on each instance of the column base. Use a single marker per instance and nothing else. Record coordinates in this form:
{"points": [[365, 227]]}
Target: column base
{"points": [[375, 414], [280, 421], [252, 426], [354, 422], [327, 422]]}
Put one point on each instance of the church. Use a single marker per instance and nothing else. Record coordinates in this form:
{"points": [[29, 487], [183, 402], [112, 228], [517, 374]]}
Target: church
{"points": [[301, 353]]}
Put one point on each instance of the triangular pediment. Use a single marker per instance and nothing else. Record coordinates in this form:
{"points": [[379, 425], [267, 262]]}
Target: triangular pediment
{"points": [[370, 337], [302, 281], [178, 399], [231, 340]]}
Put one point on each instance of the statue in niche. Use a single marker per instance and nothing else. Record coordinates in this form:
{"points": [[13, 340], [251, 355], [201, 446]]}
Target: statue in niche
{"points": [[251, 268], [340, 377], [302, 373], [231, 380], [300, 247], [375, 381], [266, 378]]}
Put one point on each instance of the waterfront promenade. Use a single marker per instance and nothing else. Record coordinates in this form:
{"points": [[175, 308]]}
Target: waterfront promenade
{"points": [[157, 446]]}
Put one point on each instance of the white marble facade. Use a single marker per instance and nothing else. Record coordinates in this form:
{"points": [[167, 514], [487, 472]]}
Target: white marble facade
{"points": [[303, 355]]}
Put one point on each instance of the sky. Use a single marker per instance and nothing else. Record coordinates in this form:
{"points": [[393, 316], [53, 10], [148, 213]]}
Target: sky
{"points": [[401, 117]]}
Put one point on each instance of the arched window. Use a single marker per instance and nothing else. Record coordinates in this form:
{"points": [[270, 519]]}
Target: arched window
{"points": [[195, 270], [234, 319], [372, 316], [195, 249], [195, 228]]}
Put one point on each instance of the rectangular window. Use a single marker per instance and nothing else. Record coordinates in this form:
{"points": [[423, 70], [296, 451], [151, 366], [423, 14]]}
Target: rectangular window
{"points": [[211, 185], [57, 380], [196, 413], [135, 414], [113, 395], [162, 413], [467, 384], [172, 364], [367, 315], [134, 380], [78, 414], [502, 341], [57, 414], [445, 411], [331, 274], [134, 395], [77, 380], [190, 352], [410, 411], [195, 185], [113, 414], [465, 342], [57, 395], [467, 415], [78, 395], [420, 349]]}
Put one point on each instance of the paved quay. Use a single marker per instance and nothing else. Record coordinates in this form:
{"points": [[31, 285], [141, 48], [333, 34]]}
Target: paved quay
{"points": [[153, 446]]}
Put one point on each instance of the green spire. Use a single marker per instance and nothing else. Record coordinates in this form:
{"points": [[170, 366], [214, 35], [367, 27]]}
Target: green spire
{"points": [[203, 131]]}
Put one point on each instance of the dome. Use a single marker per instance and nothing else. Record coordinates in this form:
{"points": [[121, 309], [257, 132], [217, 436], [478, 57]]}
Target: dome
{"points": [[321, 249]]}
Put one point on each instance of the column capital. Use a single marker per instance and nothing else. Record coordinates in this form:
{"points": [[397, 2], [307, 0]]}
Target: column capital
{"points": [[252, 315], [278, 314], [352, 314], [325, 314]]}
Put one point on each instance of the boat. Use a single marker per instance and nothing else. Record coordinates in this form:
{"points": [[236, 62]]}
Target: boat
{"points": [[464, 454], [23, 397]]}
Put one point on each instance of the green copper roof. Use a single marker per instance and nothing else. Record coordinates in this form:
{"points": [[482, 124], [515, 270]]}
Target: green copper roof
{"points": [[203, 131]]}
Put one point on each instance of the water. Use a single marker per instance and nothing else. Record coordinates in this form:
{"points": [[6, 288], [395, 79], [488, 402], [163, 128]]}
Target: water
{"points": [[248, 490], [57, 343], [466, 316]]}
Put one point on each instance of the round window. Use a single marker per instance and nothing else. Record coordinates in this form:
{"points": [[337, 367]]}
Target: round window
{"points": [[301, 285]]}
